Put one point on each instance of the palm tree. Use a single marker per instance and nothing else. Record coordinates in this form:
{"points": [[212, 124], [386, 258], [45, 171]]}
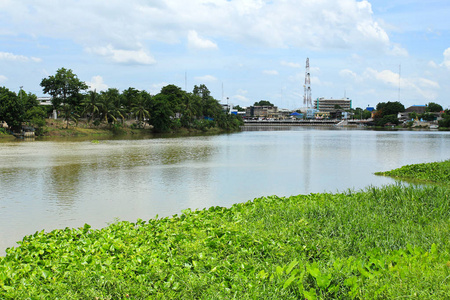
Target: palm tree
{"points": [[69, 113], [91, 105], [139, 110], [108, 111]]}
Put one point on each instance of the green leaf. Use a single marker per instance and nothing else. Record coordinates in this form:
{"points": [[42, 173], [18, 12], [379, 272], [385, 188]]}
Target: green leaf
{"points": [[291, 266], [313, 269], [310, 295], [289, 281], [323, 281]]}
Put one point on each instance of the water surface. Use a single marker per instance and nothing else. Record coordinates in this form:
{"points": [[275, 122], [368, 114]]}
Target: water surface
{"points": [[56, 184]]}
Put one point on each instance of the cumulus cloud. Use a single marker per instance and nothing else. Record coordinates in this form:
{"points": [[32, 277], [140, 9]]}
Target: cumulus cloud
{"points": [[446, 62], [423, 86], [196, 42], [20, 58], [432, 64], [97, 84], [321, 24], [240, 99], [270, 72], [291, 64], [206, 78], [124, 56], [156, 87]]}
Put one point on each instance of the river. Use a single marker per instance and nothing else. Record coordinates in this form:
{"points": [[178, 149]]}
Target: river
{"points": [[47, 185]]}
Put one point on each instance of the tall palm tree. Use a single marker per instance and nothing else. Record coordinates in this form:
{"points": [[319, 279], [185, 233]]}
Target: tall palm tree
{"points": [[91, 105], [140, 111], [68, 113], [108, 111]]}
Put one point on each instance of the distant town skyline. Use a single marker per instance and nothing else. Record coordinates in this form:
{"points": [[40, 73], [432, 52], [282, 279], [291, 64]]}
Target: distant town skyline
{"points": [[244, 50]]}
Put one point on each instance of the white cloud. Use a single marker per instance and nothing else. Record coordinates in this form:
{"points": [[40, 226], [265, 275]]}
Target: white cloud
{"points": [[291, 64], [97, 84], [206, 78], [196, 42], [240, 99], [124, 56], [20, 58], [3, 78], [270, 72], [426, 83], [432, 64], [325, 24], [397, 50], [156, 87], [425, 87], [446, 62], [348, 73]]}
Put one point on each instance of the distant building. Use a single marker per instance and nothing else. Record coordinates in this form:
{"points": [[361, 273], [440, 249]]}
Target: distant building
{"points": [[328, 105], [262, 111], [45, 100], [418, 109]]}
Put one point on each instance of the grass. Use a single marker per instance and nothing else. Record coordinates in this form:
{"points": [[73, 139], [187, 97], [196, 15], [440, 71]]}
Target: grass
{"points": [[436, 172], [386, 243]]}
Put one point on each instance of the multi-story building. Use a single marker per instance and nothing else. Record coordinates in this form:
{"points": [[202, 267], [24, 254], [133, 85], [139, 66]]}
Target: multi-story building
{"points": [[328, 105], [262, 111]]}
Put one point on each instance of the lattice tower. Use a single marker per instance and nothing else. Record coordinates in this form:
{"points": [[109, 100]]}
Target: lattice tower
{"points": [[307, 97]]}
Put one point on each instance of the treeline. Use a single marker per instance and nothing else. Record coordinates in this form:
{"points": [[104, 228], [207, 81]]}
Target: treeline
{"points": [[387, 112], [169, 110]]}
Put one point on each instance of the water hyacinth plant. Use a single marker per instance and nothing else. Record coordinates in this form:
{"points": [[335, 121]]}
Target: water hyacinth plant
{"points": [[389, 242]]}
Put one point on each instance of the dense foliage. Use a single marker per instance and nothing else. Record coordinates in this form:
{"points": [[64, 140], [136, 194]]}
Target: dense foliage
{"points": [[169, 110], [387, 113], [434, 107], [438, 172], [445, 122], [263, 103], [388, 243]]}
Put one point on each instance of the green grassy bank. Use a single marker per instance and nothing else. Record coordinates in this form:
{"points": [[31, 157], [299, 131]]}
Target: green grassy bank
{"points": [[386, 243]]}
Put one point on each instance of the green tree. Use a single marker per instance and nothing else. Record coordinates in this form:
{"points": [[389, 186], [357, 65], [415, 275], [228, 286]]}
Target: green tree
{"points": [[387, 119], [11, 109], [434, 107], [445, 122], [91, 105], [209, 107], [140, 108], [238, 108], [64, 87], [129, 97], [387, 113], [36, 118], [108, 111], [69, 112], [28, 100], [161, 113], [427, 116], [390, 108], [263, 103], [114, 97], [191, 108]]}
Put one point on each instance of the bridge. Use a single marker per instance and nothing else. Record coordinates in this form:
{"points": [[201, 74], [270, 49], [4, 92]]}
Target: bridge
{"points": [[290, 122], [304, 122]]}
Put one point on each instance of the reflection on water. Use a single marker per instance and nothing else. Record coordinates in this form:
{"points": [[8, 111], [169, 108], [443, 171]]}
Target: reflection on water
{"points": [[57, 184]]}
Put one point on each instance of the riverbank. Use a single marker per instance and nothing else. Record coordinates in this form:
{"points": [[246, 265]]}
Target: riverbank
{"points": [[58, 128], [376, 243]]}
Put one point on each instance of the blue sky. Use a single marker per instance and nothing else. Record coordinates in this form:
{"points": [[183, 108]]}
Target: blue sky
{"points": [[246, 50]]}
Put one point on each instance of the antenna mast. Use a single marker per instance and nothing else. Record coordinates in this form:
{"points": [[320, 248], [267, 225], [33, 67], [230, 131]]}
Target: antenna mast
{"points": [[307, 86]]}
